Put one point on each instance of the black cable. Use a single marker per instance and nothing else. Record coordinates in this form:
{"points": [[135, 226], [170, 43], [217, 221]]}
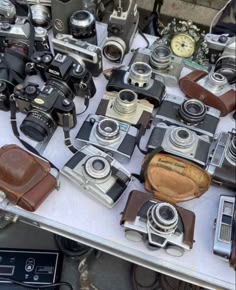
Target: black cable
{"points": [[86, 103], [26, 285], [144, 37]]}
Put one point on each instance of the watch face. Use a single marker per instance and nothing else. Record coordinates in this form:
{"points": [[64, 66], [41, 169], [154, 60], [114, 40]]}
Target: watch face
{"points": [[183, 45]]}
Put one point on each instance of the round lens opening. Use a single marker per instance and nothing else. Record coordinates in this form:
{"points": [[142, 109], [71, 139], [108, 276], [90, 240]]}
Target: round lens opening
{"points": [[194, 108], [183, 134], [141, 68], [166, 213], [81, 15], [127, 96], [108, 126], [98, 165], [218, 77], [112, 52], [161, 52]]}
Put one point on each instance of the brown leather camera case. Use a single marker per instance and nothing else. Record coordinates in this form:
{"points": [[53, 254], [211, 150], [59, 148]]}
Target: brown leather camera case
{"points": [[24, 178], [225, 103], [173, 179], [138, 198]]}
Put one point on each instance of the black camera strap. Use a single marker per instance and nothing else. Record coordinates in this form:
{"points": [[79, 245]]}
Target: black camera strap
{"points": [[138, 139], [15, 130], [66, 130]]}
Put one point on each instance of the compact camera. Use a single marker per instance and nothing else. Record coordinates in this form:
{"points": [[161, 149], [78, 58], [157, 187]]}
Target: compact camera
{"points": [[138, 77], [19, 34], [222, 160], [126, 107], [180, 141], [110, 135], [159, 224], [7, 11], [166, 66], [225, 230], [122, 26], [192, 114], [212, 89], [100, 175], [87, 54], [216, 44]]}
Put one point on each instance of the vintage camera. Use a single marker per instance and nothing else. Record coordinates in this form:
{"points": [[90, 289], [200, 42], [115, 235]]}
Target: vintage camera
{"points": [[7, 11], [100, 175], [212, 89], [226, 63], [225, 230], [192, 114], [138, 78], [110, 135], [159, 224], [83, 26], [87, 54], [216, 44], [122, 26], [222, 160], [166, 66], [126, 107], [19, 33], [180, 141]]}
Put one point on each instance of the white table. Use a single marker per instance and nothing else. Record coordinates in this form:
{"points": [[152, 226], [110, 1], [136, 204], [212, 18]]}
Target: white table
{"points": [[73, 214]]}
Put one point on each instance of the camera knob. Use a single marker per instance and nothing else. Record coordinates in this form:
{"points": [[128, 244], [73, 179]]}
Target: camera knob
{"points": [[30, 90], [47, 58], [66, 102], [5, 26], [223, 39]]}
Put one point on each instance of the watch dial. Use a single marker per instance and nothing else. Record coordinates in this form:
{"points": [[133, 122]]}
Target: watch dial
{"points": [[183, 45]]}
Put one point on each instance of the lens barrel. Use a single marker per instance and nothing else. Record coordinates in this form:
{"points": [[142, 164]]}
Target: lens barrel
{"points": [[107, 131], [140, 74], [192, 111], [126, 102], [161, 58]]}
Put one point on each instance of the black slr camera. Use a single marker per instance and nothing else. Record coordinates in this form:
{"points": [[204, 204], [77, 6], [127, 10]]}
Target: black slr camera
{"points": [[138, 78], [222, 160], [122, 26], [46, 108]]}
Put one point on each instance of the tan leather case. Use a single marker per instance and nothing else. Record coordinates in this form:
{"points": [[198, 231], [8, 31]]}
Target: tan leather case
{"points": [[24, 178]]}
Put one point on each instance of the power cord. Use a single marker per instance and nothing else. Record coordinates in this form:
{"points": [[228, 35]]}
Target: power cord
{"points": [[26, 285], [217, 15]]}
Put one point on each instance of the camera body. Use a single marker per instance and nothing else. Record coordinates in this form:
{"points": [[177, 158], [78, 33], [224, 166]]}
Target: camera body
{"points": [[159, 224], [7, 11], [222, 160], [45, 108], [19, 34], [225, 229], [212, 89], [126, 107], [216, 44], [192, 114], [139, 78], [181, 142], [114, 137], [87, 54], [165, 65], [121, 29], [100, 175]]}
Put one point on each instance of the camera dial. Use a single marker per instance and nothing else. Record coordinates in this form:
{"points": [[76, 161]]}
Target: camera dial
{"points": [[161, 58], [126, 102], [97, 168], [182, 138], [162, 218], [108, 131], [140, 74], [192, 111]]}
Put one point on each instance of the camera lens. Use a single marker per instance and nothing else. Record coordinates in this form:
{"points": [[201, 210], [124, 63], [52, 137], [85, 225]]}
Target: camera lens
{"points": [[40, 15], [107, 131], [114, 49], [192, 112], [231, 152], [226, 65], [163, 217], [216, 81], [182, 138], [160, 58], [140, 74], [83, 26], [97, 167], [38, 125], [126, 102]]}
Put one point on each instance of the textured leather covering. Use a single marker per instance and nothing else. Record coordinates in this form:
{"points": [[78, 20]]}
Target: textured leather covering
{"points": [[138, 198], [24, 178], [173, 179], [226, 103]]}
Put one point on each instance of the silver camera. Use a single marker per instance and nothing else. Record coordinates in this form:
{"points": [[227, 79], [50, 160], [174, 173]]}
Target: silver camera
{"points": [[189, 113], [126, 107], [166, 66], [7, 11], [222, 160], [159, 224], [88, 54], [216, 44], [181, 142], [110, 135], [98, 174], [225, 227]]}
